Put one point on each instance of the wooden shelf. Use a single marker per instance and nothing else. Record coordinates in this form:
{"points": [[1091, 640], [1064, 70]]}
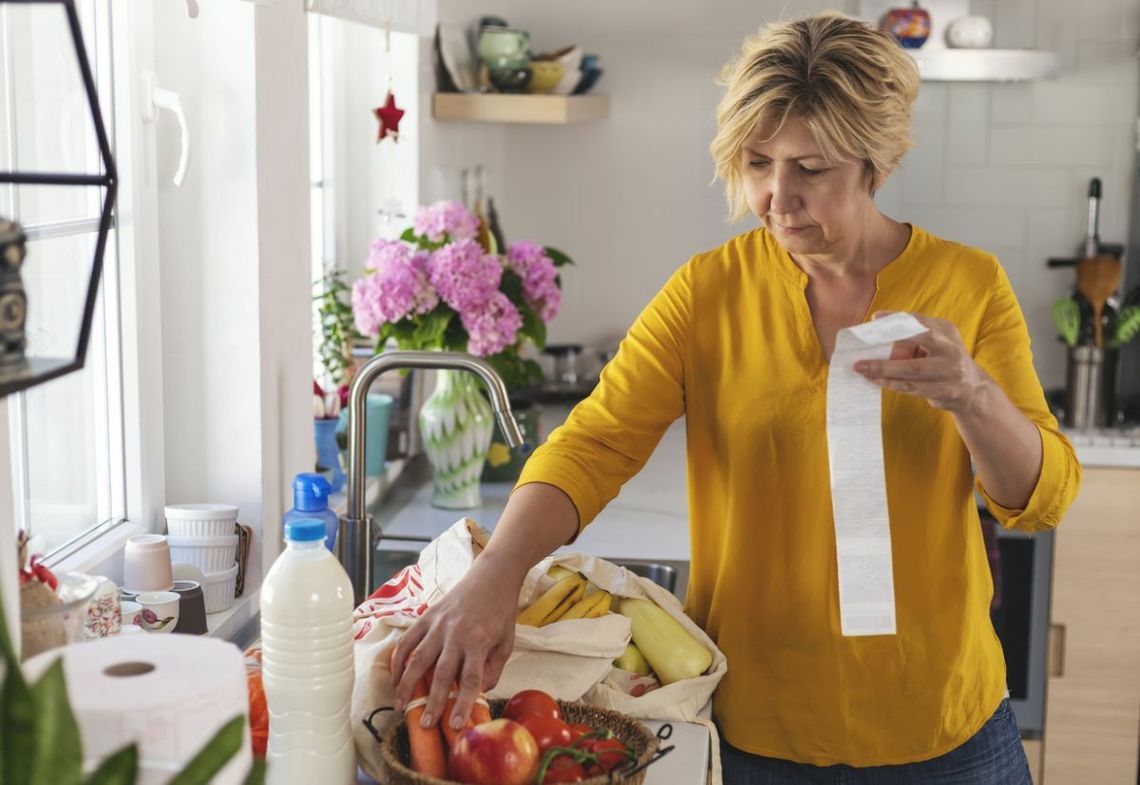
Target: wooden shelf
{"points": [[511, 108]]}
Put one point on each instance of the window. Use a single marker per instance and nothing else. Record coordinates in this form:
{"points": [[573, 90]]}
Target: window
{"points": [[67, 435]]}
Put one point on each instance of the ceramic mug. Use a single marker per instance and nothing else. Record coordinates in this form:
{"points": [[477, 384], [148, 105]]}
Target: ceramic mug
{"points": [[146, 564], [131, 613], [191, 608], [159, 611], [103, 615], [504, 47]]}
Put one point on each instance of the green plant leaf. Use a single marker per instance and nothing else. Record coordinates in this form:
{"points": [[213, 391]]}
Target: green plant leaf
{"points": [[1127, 325], [430, 328], [409, 235], [512, 286], [257, 772], [120, 768], [560, 259], [214, 756], [17, 718], [57, 752], [533, 327]]}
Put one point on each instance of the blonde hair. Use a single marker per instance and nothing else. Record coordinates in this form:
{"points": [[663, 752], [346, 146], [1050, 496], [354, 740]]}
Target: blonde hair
{"points": [[851, 84]]}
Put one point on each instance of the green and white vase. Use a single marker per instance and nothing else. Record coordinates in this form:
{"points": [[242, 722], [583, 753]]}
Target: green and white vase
{"points": [[456, 423]]}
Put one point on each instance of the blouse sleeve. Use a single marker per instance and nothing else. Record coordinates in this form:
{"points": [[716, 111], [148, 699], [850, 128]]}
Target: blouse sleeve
{"points": [[1003, 351], [610, 435]]}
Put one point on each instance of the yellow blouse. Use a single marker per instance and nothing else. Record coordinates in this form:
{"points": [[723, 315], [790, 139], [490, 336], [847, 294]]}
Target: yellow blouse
{"points": [[729, 343]]}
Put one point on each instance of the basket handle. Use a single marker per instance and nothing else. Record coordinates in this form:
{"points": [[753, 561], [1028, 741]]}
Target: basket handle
{"points": [[367, 721], [633, 767]]}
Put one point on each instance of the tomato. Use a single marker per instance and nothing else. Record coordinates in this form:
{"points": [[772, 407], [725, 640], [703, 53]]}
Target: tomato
{"points": [[563, 769], [499, 752], [578, 730], [531, 702], [547, 731], [611, 754]]}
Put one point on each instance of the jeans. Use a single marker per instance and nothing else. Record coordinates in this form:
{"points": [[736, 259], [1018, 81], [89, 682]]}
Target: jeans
{"points": [[993, 756]]}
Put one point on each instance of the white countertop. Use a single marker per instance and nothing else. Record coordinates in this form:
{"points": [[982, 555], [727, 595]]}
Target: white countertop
{"points": [[648, 521], [1107, 448]]}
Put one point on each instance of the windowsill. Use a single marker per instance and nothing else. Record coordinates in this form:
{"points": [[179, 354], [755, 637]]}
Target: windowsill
{"points": [[228, 624], [99, 551]]}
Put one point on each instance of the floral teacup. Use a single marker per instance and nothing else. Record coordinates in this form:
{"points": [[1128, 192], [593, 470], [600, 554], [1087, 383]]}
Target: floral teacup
{"points": [[159, 611]]}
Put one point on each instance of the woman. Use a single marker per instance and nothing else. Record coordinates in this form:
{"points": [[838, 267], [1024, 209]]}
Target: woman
{"points": [[816, 116]]}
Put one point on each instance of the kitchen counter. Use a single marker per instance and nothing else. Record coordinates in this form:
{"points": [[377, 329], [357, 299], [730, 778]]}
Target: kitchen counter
{"points": [[648, 521], [1107, 447]]}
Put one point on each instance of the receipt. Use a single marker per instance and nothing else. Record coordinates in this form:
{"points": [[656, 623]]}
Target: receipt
{"points": [[858, 484]]}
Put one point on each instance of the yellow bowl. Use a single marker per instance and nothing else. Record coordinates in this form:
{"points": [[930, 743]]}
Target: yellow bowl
{"points": [[546, 74]]}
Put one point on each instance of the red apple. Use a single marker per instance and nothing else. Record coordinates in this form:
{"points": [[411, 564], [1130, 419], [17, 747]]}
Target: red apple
{"points": [[499, 752]]}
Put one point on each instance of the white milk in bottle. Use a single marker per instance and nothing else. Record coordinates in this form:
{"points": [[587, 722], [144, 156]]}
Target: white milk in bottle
{"points": [[307, 668]]}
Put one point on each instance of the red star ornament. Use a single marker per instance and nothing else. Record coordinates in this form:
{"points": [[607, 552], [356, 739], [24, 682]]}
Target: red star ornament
{"points": [[389, 117]]}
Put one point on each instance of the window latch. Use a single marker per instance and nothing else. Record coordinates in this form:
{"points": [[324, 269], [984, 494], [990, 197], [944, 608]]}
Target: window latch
{"points": [[156, 98]]}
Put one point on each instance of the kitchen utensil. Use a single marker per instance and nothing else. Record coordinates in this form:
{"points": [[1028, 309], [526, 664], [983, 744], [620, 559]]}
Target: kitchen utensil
{"points": [[1092, 233], [200, 520], [1067, 319], [1097, 279], [1127, 325]]}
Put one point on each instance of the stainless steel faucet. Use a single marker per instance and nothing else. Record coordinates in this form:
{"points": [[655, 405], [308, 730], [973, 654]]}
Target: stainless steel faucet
{"points": [[355, 540]]}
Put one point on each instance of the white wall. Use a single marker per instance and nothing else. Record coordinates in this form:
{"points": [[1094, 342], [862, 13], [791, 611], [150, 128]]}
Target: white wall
{"points": [[234, 249], [1004, 167]]}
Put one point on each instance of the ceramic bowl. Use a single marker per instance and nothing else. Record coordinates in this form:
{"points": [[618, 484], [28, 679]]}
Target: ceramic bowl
{"points": [[545, 75], [570, 57], [588, 80], [509, 80]]}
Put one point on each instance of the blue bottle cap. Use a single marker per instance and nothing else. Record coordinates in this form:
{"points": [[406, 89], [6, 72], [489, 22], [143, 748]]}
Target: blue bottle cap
{"points": [[305, 530], [310, 492]]}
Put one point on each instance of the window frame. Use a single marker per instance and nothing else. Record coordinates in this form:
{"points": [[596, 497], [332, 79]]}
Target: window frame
{"points": [[125, 349]]}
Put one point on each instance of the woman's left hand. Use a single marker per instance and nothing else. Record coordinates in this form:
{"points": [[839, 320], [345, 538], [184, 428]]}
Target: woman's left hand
{"points": [[934, 365]]}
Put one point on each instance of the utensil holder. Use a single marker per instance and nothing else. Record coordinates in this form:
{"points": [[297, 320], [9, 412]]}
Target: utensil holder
{"points": [[1090, 388]]}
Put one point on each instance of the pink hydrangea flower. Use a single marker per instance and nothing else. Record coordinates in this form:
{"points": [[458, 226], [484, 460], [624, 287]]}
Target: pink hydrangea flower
{"points": [[492, 328], [464, 275], [398, 287], [452, 219], [538, 273]]}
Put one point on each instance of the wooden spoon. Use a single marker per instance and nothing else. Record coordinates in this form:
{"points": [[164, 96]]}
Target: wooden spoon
{"points": [[1097, 278]]}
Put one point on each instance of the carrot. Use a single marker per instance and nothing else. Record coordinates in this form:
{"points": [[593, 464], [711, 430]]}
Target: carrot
{"points": [[480, 713], [425, 744], [450, 733]]}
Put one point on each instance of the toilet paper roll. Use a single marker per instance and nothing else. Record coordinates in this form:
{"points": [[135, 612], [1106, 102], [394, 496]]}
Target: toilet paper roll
{"points": [[858, 483], [168, 693]]}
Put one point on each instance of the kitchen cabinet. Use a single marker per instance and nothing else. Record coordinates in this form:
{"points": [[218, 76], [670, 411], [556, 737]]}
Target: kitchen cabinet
{"points": [[1092, 709]]}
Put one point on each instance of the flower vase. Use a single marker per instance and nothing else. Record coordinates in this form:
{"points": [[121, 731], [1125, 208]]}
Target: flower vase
{"points": [[328, 453], [455, 423]]}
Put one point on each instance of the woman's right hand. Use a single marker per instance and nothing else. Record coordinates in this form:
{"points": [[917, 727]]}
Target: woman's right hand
{"points": [[468, 636]]}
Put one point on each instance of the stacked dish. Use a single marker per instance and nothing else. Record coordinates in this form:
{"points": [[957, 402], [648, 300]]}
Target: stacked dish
{"points": [[204, 535]]}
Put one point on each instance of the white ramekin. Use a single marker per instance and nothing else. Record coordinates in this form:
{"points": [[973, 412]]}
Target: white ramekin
{"points": [[209, 554], [200, 520], [219, 590]]}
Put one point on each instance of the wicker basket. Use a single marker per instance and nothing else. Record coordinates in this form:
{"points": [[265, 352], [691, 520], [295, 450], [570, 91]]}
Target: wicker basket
{"points": [[394, 746]]}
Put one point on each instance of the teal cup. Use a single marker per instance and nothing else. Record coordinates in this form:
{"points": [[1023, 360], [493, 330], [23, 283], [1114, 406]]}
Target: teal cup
{"points": [[379, 410]]}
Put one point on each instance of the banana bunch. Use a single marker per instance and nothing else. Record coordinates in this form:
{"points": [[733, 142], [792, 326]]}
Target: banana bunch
{"points": [[566, 599]]}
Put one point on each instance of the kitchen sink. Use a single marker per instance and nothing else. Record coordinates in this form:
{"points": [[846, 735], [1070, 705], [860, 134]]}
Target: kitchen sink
{"points": [[673, 576]]}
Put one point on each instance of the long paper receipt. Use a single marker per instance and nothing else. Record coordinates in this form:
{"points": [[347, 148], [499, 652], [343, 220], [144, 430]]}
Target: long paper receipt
{"points": [[858, 484]]}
